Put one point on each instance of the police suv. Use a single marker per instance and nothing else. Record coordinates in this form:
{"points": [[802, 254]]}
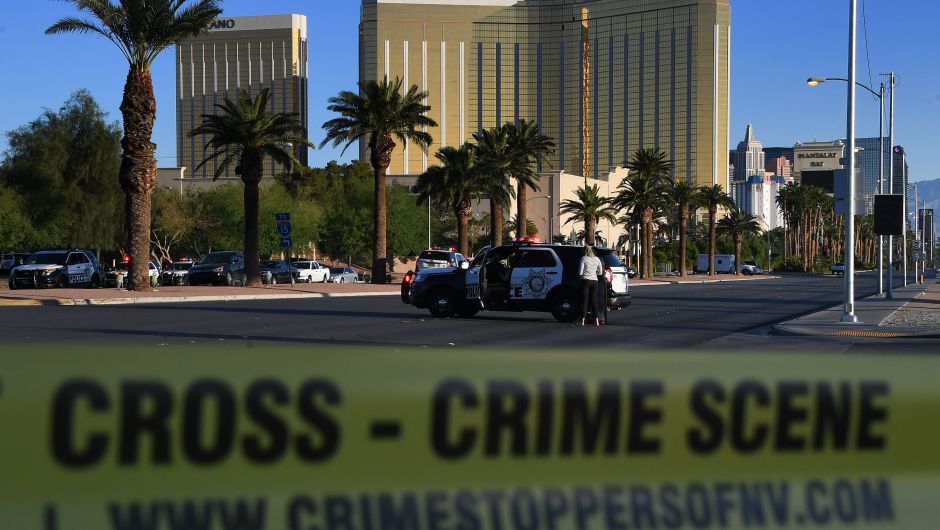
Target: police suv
{"points": [[57, 268], [524, 276]]}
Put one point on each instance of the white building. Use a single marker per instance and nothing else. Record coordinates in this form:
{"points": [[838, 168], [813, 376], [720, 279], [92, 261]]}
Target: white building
{"points": [[748, 157], [757, 195]]}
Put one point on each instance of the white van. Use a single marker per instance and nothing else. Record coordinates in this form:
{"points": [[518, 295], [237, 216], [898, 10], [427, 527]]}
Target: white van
{"points": [[723, 263]]}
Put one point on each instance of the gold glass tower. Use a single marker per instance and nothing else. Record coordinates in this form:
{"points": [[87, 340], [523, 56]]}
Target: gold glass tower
{"points": [[239, 53], [602, 77]]}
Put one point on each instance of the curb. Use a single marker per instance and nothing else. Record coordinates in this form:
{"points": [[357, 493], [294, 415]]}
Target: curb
{"points": [[190, 299]]}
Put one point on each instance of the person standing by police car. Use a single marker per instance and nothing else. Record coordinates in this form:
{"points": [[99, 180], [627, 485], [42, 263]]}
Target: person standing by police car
{"points": [[589, 272]]}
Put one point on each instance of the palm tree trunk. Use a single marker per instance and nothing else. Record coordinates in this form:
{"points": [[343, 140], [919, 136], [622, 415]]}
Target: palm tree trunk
{"points": [[712, 213], [737, 255], [462, 212], [381, 158], [138, 174], [521, 212], [496, 223], [590, 226], [648, 243], [683, 228], [251, 177]]}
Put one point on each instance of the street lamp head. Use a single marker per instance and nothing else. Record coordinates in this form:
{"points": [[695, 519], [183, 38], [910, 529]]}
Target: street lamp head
{"points": [[813, 81]]}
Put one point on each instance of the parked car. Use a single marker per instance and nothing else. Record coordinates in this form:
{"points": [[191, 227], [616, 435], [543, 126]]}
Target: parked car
{"points": [[275, 271], [219, 268], [57, 268], [117, 277], [837, 268], [311, 271], [176, 273], [10, 260], [343, 275], [631, 272], [436, 259], [749, 267]]}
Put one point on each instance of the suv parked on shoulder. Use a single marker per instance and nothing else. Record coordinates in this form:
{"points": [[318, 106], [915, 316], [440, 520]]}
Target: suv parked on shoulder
{"points": [[519, 277], [219, 268], [749, 267], [176, 273], [311, 271], [58, 268]]}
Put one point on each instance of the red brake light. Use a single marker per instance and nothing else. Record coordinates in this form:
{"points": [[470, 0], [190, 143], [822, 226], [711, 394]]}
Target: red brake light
{"points": [[609, 276], [409, 277]]}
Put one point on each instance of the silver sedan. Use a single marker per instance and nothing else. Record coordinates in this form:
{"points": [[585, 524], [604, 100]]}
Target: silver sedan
{"points": [[343, 275]]}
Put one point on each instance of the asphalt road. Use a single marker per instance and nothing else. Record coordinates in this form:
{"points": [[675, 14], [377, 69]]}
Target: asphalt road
{"points": [[662, 316]]}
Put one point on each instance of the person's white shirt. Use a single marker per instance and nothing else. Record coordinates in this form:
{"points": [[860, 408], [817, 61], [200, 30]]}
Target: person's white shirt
{"points": [[591, 268]]}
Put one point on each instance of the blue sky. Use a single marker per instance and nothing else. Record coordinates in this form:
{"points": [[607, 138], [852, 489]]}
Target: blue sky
{"points": [[776, 45]]}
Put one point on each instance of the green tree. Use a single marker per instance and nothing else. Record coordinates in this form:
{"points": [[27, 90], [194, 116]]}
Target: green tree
{"points": [[713, 197], [59, 164], [140, 30], [589, 207], [453, 184], [377, 116], [683, 195], [497, 163], [644, 198], [244, 133], [737, 225], [532, 147], [16, 231]]}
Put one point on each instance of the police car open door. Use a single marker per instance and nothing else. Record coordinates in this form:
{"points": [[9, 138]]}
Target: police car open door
{"points": [[494, 276], [535, 271]]}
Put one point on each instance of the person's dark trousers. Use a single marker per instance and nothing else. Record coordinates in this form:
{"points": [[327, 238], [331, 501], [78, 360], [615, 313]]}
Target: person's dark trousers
{"points": [[602, 298], [589, 298]]}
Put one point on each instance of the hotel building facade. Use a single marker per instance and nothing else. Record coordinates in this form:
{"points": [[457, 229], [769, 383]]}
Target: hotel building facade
{"points": [[239, 53], [603, 78]]}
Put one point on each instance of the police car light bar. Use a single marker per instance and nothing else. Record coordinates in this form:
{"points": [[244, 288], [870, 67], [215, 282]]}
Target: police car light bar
{"points": [[530, 240]]}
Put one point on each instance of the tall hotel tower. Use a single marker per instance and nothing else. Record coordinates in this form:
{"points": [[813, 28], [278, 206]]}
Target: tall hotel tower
{"points": [[241, 53], [603, 78]]}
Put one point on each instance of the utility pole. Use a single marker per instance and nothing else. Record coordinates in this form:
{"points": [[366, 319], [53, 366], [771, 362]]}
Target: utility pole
{"points": [[881, 188], [848, 314]]}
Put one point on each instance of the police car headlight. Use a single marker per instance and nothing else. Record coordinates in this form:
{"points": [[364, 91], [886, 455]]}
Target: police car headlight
{"points": [[46, 272], [219, 269]]}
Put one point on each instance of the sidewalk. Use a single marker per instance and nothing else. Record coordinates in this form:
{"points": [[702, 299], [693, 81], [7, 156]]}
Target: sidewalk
{"points": [[176, 294], [913, 312]]}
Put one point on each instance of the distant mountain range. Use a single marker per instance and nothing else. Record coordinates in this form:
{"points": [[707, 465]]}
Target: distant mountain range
{"points": [[929, 191]]}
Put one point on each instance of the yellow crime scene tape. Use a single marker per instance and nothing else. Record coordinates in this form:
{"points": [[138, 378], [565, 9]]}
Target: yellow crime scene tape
{"points": [[350, 439]]}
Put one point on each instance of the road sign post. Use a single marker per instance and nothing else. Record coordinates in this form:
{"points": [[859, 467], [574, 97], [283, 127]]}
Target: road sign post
{"points": [[284, 228]]}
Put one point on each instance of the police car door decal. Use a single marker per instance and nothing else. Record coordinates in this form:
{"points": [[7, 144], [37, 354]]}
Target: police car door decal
{"points": [[472, 283], [537, 272]]}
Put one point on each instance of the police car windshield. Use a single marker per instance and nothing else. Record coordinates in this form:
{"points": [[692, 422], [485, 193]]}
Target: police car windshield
{"points": [[268, 264], [181, 266], [48, 258]]}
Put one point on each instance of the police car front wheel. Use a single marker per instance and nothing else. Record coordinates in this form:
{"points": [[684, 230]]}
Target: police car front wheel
{"points": [[443, 303]]}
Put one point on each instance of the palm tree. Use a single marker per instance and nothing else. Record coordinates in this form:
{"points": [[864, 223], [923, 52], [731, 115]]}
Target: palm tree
{"points": [[378, 115], [713, 197], [738, 224], [140, 30], [651, 162], [454, 183], [589, 207], [529, 144], [643, 197], [243, 134], [497, 163], [683, 196]]}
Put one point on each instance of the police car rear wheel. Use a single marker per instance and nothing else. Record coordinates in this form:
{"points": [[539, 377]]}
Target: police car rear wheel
{"points": [[95, 282], [443, 303], [564, 306]]}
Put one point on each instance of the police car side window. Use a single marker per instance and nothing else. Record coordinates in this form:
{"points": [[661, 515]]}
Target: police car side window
{"points": [[535, 258]]}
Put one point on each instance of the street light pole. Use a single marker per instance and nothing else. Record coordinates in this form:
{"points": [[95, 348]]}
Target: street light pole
{"points": [[848, 314], [890, 294]]}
